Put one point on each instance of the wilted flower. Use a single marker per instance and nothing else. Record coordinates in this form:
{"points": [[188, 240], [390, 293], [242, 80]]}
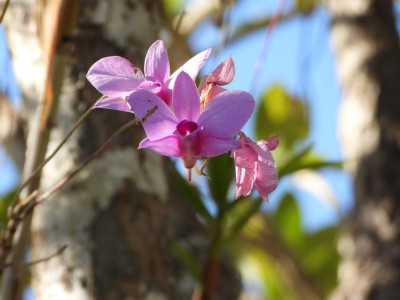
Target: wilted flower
{"points": [[255, 166]]}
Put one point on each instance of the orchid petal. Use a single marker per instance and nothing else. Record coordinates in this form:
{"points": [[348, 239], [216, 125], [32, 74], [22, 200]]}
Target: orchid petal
{"points": [[264, 154], [255, 166], [185, 98], [114, 76], [159, 121], [211, 146], [270, 143], [227, 114], [208, 94], [168, 146], [191, 67], [116, 103], [267, 180], [245, 158], [244, 181], [156, 63], [223, 73]]}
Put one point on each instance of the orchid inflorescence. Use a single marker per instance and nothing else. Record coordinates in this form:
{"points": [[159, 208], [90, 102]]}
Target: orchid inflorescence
{"points": [[183, 120]]}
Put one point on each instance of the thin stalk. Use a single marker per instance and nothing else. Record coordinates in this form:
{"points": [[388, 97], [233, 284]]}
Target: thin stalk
{"points": [[3, 12], [36, 172], [23, 210], [261, 60], [211, 270]]}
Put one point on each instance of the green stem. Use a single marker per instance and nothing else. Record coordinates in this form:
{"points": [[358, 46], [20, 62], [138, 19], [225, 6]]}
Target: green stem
{"points": [[211, 271]]}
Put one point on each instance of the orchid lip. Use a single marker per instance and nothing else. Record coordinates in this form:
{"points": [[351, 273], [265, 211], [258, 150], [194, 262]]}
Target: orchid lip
{"points": [[186, 127]]}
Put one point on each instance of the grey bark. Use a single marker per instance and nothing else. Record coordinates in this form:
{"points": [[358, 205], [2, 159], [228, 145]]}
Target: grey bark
{"points": [[367, 51], [120, 215], [12, 135]]}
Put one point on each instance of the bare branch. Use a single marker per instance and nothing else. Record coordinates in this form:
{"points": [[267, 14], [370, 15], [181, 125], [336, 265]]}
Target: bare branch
{"points": [[40, 167], [3, 12], [35, 262]]}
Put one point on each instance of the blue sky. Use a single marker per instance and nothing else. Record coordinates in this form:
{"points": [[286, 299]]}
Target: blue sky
{"points": [[8, 86]]}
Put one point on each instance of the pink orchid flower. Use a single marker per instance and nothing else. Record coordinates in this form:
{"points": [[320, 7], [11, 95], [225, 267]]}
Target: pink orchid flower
{"points": [[255, 166], [185, 131], [116, 77], [222, 75]]}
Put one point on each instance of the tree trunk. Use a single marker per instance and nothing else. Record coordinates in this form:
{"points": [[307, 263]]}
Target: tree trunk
{"points": [[121, 214], [367, 50]]}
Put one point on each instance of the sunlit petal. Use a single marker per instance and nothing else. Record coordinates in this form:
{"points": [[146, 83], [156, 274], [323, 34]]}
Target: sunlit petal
{"points": [[156, 64], [159, 121]]}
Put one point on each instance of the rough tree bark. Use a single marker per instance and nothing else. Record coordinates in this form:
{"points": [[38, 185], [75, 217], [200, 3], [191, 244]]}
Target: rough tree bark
{"points": [[120, 215], [367, 49]]}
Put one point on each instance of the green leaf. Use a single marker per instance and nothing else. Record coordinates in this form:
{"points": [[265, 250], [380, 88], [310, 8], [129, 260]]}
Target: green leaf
{"points": [[287, 218], [187, 259], [4, 203], [221, 170], [274, 286], [282, 114], [172, 7], [306, 6], [192, 195], [320, 257], [247, 209], [292, 163], [306, 159], [263, 268]]}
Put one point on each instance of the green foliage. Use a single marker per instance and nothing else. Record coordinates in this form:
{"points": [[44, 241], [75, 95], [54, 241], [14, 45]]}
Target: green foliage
{"points": [[192, 195], [304, 159], [187, 259], [282, 114], [4, 203], [273, 286], [288, 220], [221, 170], [315, 251], [268, 241], [306, 6], [276, 245], [238, 217], [320, 258], [172, 7]]}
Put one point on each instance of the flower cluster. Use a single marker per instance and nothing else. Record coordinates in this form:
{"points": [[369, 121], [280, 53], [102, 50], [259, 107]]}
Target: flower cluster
{"points": [[183, 120]]}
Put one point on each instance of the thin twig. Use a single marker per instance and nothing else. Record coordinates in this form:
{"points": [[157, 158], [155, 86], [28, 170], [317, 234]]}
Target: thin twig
{"points": [[261, 60], [12, 225], [4, 10], [179, 22], [68, 178], [62, 182], [35, 262], [23, 210], [40, 167]]}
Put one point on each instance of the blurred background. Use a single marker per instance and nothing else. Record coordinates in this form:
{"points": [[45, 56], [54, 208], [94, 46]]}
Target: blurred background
{"points": [[323, 74]]}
